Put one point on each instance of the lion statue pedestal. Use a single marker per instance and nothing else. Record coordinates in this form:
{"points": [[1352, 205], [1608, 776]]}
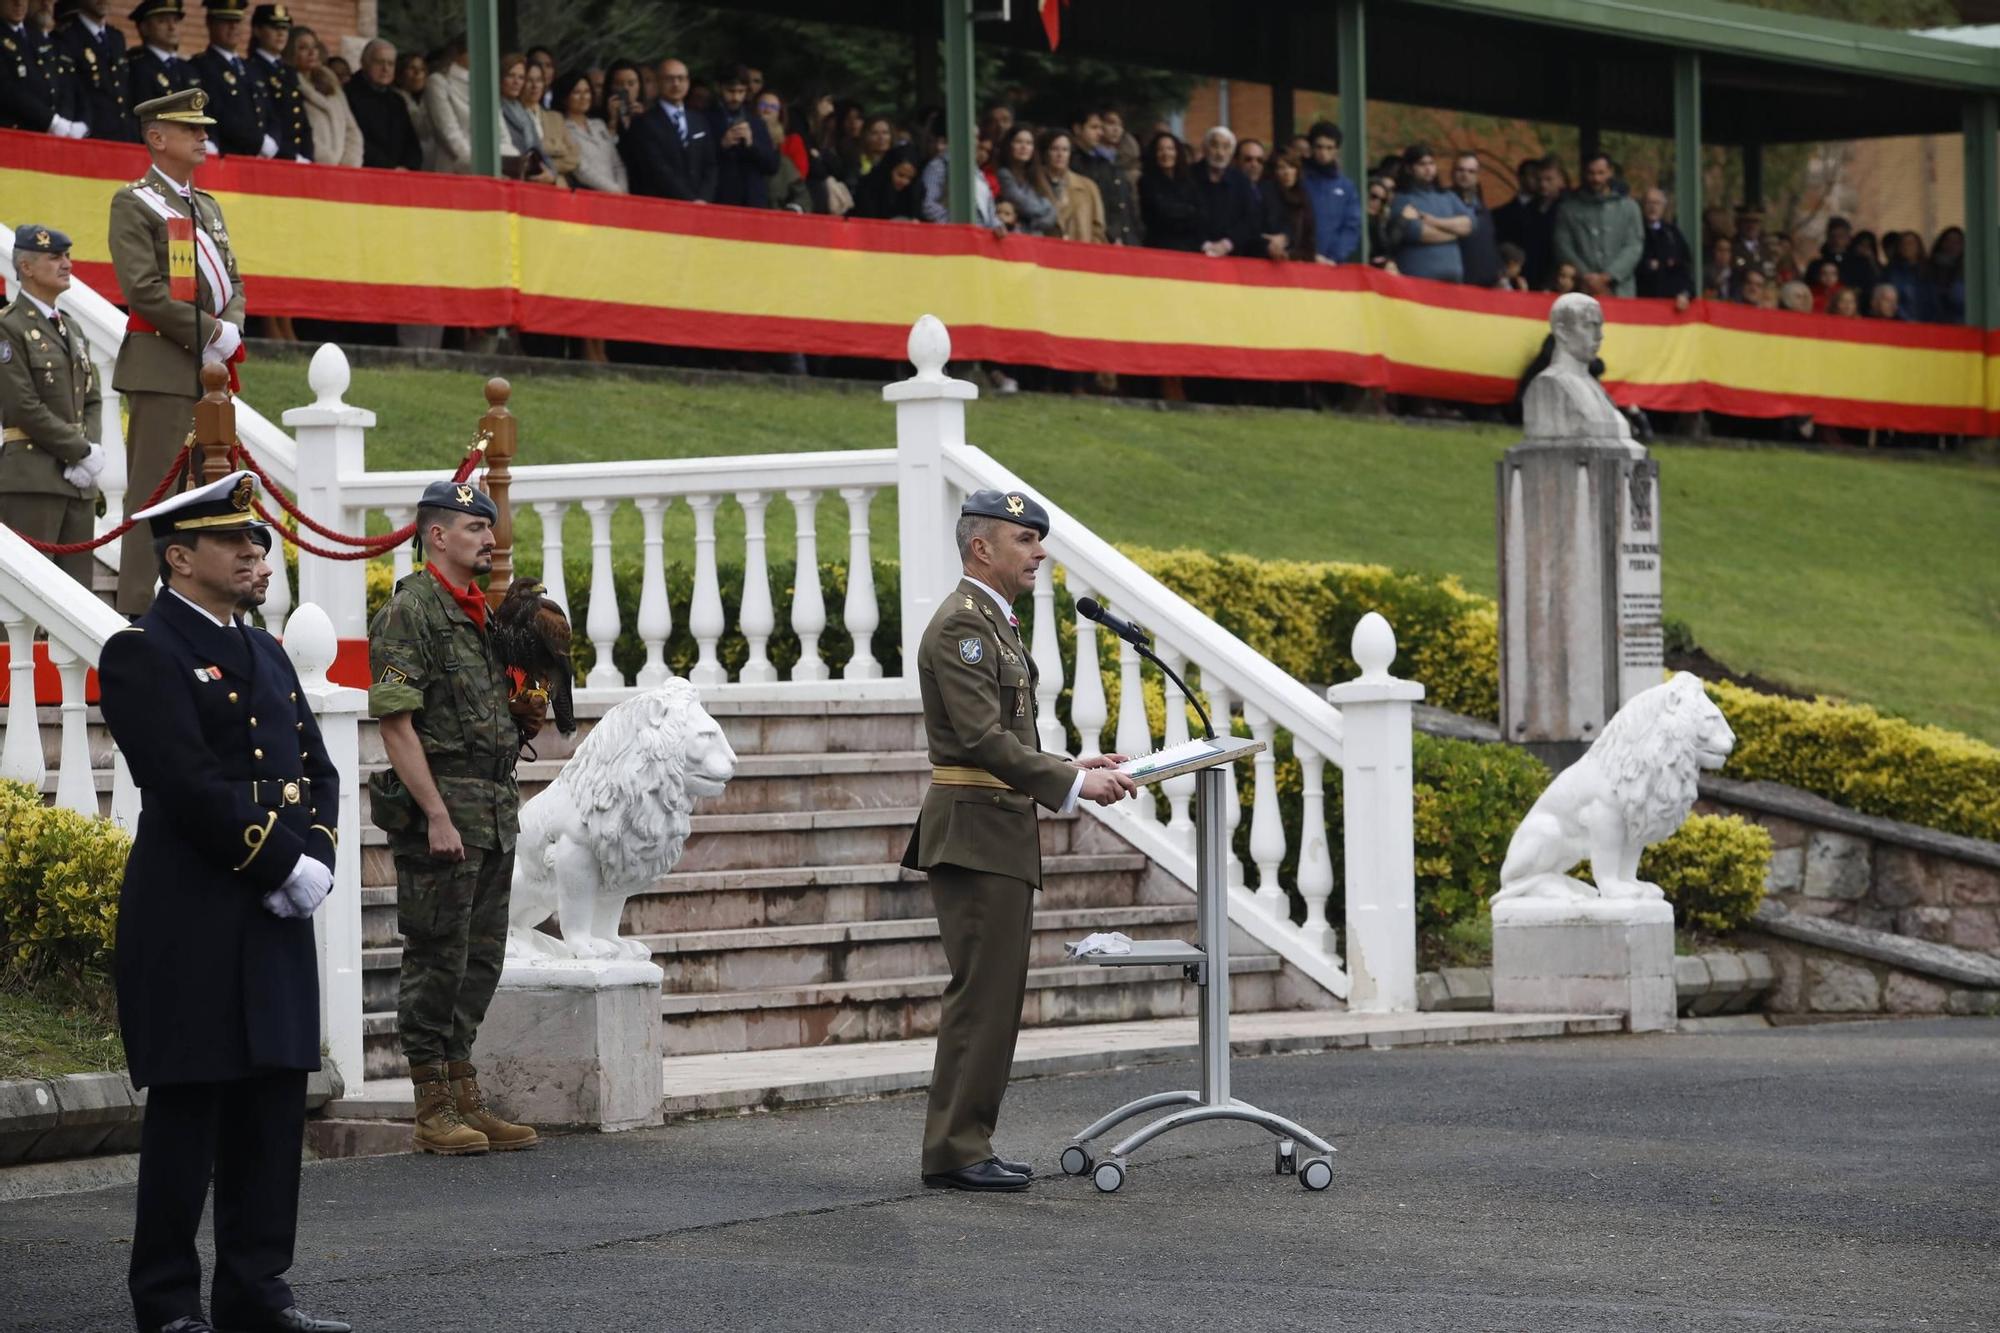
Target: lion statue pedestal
{"points": [[1561, 945]]}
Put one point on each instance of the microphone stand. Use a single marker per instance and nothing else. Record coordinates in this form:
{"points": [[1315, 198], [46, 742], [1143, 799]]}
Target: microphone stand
{"points": [[1145, 650]]}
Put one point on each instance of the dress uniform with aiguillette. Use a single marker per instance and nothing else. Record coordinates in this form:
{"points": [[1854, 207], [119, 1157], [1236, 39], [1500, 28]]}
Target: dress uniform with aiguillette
{"points": [[150, 75], [51, 411], [977, 836], [171, 252], [218, 992], [284, 104], [97, 55]]}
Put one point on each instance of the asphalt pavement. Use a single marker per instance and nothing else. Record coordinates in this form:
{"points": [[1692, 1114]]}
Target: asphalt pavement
{"points": [[1829, 1177]]}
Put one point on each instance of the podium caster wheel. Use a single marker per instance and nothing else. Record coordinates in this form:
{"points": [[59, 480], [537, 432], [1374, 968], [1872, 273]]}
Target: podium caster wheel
{"points": [[1075, 1161], [1316, 1174], [1288, 1161], [1108, 1177]]}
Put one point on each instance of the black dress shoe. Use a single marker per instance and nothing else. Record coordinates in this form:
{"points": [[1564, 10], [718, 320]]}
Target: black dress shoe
{"points": [[291, 1319], [1018, 1168], [987, 1176], [193, 1323]]}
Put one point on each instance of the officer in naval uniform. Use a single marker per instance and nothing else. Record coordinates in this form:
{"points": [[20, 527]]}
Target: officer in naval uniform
{"points": [[235, 92], [96, 50], [178, 320], [216, 970], [38, 89], [156, 69], [977, 834], [51, 407], [284, 104]]}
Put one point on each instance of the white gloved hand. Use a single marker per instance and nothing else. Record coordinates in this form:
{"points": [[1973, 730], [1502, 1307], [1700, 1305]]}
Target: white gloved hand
{"points": [[94, 461], [270, 148], [303, 890], [223, 343], [62, 127], [79, 476]]}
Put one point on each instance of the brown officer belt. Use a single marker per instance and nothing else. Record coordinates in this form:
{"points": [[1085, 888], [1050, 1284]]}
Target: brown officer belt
{"points": [[13, 435], [953, 775]]}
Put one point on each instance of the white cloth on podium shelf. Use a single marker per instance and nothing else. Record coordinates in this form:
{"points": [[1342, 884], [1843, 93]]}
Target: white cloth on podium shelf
{"points": [[1104, 942]]}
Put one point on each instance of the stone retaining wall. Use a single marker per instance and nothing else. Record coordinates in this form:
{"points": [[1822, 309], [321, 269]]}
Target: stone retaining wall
{"points": [[1832, 967]]}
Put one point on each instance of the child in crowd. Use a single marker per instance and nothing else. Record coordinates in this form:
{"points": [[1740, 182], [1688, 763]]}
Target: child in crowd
{"points": [[1565, 279], [1512, 257], [1007, 215]]}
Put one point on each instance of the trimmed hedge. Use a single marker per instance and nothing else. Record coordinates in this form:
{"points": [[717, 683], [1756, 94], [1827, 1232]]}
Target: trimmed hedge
{"points": [[60, 873], [1712, 870]]}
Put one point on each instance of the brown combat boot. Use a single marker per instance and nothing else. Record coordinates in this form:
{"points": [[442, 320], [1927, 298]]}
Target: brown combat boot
{"points": [[503, 1135], [439, 1127]]}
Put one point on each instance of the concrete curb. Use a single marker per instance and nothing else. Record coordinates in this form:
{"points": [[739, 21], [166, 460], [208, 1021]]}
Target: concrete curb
{"points": [[89, 1115]]}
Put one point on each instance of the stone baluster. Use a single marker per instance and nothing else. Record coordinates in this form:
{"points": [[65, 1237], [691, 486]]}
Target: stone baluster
{"points": [[602, 625], [1315, 861], [502, 433], [656, 617], [76, 785], [332, 443], [124, 793], [862, 613], [21, 756], [1180, 790], [1267, 826], [278, 597], [403, 558], [111, 481], [554, 585], [1220, 702], [705, 620], [1087, 708], [755, 617], [930, 418], [808, 600], [1135, 734], [1047, 653]]}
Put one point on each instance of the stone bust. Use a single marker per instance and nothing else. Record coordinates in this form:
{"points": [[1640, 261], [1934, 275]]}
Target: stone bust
{"points": [[1565, 402]]}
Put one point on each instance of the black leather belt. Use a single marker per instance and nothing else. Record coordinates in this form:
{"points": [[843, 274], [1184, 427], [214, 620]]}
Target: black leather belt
{"points": [[274, 793]]}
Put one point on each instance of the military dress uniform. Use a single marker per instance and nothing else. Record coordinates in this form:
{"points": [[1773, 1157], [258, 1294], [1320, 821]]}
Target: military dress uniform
{"points": [[218, 994], [977, 836], [38, 89], [51, 413], [285, 105], [236, 96], [103, 76], [159, 363], [429, 655], [149, 76]]}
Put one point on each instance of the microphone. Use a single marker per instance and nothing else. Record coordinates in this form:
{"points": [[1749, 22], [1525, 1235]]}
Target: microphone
{"points": [[1089, 609]]}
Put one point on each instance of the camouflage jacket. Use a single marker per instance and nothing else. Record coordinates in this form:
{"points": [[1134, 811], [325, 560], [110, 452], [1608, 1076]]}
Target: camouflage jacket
{"points": [[426, 657]]}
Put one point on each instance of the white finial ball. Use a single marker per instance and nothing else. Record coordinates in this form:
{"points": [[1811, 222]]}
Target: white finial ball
{"points": [[310, 643], [1374, 646], [930, 347], [329, 376]]}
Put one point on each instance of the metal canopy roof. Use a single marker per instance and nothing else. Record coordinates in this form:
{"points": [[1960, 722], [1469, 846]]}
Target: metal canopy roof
{"points": [[1767, 77]]}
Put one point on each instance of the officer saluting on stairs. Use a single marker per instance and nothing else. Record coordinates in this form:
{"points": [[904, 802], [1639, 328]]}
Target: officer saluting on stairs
{"points": [[977, 833]]}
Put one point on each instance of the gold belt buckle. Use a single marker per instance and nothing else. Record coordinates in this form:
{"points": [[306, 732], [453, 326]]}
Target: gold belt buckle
{"points": [[291, 793]]}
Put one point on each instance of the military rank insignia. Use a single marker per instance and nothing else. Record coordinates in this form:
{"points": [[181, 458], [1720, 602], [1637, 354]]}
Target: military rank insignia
{"points": [[970, 651], [391, 676]]}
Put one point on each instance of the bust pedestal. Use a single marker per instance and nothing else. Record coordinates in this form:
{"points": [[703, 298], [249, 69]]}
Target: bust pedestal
{"points": [[1586, 956], [574, 1042]]}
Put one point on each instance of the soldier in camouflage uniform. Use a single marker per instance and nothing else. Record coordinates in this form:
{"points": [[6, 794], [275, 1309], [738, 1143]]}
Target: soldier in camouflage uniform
{"points": [[450, 807]]}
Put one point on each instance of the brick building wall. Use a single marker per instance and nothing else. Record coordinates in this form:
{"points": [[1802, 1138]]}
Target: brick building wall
{"points": [[343, 25]]}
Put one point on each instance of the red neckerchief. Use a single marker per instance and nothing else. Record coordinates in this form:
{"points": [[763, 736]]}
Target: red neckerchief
{"points": [[470, 600]]}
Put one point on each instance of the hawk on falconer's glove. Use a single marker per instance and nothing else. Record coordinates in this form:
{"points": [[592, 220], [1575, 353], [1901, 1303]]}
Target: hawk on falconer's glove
{"points": [[532, 636]]}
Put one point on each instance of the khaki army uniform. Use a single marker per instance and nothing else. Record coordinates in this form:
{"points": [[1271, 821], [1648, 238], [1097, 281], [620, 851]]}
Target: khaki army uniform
{"points": [[51, 412], [427, 657], [159, 372], [977, 837]]}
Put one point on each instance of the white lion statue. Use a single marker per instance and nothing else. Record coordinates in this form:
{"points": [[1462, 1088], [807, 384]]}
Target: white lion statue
{"points": [[614, 820], [1633, 787]]}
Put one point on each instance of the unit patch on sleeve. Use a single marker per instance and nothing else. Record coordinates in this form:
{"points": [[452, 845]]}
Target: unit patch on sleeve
{"points": [[971, 650]]}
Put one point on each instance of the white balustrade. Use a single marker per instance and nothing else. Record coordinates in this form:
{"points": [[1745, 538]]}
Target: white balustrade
{"points": [[1047, 653], [808, 599], [601, 624], [1087, 708], [1267, 827], [332, 437], [555, 585], [862, 614], [401, 560], [755, 616], [278, 596], [705, 620], [1315, 873], [1135, 733], [1180, 790], [76, 785], [656, 617], [21, 756], [1220, 702]]}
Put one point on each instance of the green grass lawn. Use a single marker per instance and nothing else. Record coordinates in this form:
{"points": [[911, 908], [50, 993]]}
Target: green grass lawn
{"points": [[1873, 578], [48, 1029]]}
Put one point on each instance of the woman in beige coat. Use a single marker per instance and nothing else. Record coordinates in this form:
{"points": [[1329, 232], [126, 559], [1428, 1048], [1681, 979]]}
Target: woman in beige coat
{"points": [[1079, 206], [336, 136]]}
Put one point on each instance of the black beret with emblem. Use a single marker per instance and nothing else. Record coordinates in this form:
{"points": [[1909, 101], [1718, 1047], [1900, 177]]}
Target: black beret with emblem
{"points": [[1013, 506], [154, 8], [271, 16], [37, 239], [220, 506], [461, 496]]}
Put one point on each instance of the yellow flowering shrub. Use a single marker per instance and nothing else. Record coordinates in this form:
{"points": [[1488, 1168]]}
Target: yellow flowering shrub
{"points": [[60, 874]]}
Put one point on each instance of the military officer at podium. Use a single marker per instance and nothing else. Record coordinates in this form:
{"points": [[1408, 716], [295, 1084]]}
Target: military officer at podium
{"points": [[97, 52], [51, 406], [216, 969], [977, 835], [235, 92], [156, 68], [186, 307]]}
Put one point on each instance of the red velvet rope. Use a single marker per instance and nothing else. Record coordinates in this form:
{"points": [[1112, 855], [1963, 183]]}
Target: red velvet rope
{"points": [[159, 494], [376, 545]]}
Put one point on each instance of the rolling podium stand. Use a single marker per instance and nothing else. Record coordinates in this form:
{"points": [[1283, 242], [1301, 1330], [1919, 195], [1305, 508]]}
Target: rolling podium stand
{"points": [[1206, 964]]}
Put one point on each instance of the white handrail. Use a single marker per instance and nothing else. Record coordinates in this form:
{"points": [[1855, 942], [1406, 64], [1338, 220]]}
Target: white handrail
{"points": [[641, 478]]}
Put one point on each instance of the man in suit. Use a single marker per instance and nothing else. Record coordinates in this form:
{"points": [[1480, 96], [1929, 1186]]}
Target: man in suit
{"points": [[96, 50], [218, 991], [977, 832], [284, 104], [38, 89], [51, 406], [235, 95], [744, 154], [184, 311], [670, 150], [156, 68]]}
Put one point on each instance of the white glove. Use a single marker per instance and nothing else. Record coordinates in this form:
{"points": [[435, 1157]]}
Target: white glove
{"points": [[94, 461], [270, 148], [303, 890], [79, 476], [223, 344], [62, 127]]}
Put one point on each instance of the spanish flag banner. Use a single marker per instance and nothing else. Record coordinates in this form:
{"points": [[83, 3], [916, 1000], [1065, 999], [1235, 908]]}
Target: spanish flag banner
{"points": [[393, 247]]}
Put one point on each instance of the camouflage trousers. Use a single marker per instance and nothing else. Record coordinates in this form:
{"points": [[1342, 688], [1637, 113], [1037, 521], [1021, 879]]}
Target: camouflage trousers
{"points": [[453, 916]]}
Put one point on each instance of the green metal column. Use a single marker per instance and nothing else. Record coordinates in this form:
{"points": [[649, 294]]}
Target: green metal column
{"points": [[1982, 212], [482, 38], [1352, 38], [1687, 156], [958, 109]]}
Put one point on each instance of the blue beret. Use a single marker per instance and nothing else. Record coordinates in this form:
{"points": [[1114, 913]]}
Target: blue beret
{"points": [[1013, 506], [37, 239], [462, 496]]}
